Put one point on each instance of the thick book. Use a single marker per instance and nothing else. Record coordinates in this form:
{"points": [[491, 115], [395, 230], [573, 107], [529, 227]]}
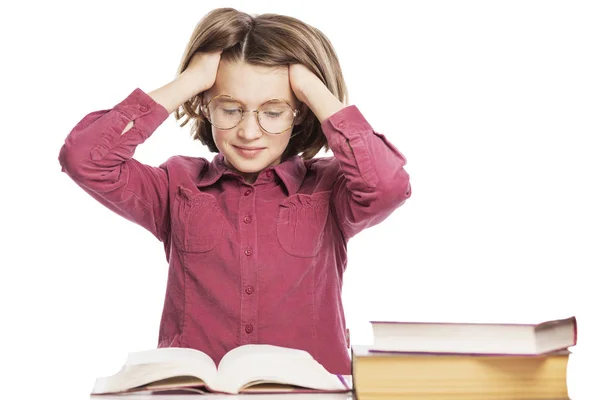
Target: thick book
{"points": [[383, 376], [474, 338], [253, 368]]}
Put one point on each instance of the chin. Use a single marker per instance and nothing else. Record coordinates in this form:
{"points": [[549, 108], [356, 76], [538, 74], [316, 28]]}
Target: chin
{"points": [[249, 165]]}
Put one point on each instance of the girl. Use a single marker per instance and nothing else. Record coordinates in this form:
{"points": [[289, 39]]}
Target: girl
{"points": [[255, 238]]}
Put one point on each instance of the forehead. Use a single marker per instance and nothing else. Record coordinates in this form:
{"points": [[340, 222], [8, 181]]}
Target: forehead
{"points": [[252, 84]]}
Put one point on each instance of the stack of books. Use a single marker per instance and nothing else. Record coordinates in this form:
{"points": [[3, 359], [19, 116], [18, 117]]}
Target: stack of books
{"points": [[459, 361]]}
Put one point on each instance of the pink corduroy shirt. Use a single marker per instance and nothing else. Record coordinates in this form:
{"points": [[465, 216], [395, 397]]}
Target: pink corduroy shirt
{"points": [[248, 263]]}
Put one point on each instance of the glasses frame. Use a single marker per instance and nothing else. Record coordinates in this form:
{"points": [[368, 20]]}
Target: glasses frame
{"points": [[296, 111]]}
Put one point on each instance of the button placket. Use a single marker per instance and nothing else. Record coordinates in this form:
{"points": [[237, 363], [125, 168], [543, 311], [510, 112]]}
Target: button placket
{"points": [[248, 265]]}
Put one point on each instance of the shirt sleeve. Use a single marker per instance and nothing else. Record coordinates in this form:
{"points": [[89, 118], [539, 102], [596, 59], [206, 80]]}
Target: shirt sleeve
{"points": [[372, 181], [99, 159]]}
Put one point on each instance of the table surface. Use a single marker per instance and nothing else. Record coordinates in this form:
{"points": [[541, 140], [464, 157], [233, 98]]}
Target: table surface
{"points": [[290, 396]]}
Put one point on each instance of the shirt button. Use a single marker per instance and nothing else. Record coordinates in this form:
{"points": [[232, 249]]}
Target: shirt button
{"points": [[249, 289], [247, 219], [249, 328], [248, 251], [342, 124], [269, 174], [143, 108], [247, 192]]}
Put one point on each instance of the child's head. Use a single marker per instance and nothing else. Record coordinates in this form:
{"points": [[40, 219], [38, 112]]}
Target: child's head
{"points": [[256, 52]]}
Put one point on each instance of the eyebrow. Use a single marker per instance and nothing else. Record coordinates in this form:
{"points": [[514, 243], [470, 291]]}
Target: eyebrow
{"points": [[269, 99]]}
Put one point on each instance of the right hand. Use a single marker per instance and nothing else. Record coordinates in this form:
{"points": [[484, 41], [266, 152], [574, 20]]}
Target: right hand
{"points": [[202, 69]]}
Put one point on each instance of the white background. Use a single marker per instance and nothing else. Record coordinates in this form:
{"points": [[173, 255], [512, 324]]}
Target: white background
{"points": [[494, 104]]}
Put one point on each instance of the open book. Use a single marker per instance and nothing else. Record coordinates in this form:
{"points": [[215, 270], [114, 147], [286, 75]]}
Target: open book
{"points": [[249, 368]]}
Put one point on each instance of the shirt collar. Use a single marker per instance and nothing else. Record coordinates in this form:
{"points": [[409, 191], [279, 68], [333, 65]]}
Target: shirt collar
{"points": [[292, 172]]}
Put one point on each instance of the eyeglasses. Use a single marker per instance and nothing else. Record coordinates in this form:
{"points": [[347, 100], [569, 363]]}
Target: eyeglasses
{"points": [[274, 116]]}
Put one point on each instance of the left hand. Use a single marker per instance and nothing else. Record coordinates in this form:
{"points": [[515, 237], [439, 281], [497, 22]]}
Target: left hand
{"points": [[310, 90], [301, 80]]}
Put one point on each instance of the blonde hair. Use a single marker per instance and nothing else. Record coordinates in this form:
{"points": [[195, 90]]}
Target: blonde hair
{"points": [[264, 40]]}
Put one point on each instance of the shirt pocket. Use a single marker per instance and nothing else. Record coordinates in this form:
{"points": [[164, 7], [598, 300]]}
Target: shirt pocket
{"points": [[301, 222], [197, 221]]}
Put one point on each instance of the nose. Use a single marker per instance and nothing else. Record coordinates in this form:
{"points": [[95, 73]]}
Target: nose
{"points": [[249, 128]]}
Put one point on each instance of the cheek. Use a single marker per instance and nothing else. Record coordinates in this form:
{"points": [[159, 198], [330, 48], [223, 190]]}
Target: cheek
{"points": [[219, 137], [281, 142]]}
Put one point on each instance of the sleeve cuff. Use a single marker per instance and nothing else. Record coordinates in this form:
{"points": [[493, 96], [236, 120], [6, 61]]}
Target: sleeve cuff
{"points": [[139, 107], [139, 104], [349, 121]]}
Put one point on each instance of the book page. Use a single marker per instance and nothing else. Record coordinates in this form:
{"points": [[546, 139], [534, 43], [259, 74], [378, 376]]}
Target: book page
{"points": [[133, 376], [169, 354], [260, 363], [162, 364]]}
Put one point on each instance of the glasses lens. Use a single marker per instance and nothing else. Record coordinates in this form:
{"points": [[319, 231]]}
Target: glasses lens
{"points": [[276, 116], [224, 112]]}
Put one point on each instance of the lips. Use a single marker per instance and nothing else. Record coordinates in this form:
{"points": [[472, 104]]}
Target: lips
{"points": [[249, 148], [248, 152]]}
